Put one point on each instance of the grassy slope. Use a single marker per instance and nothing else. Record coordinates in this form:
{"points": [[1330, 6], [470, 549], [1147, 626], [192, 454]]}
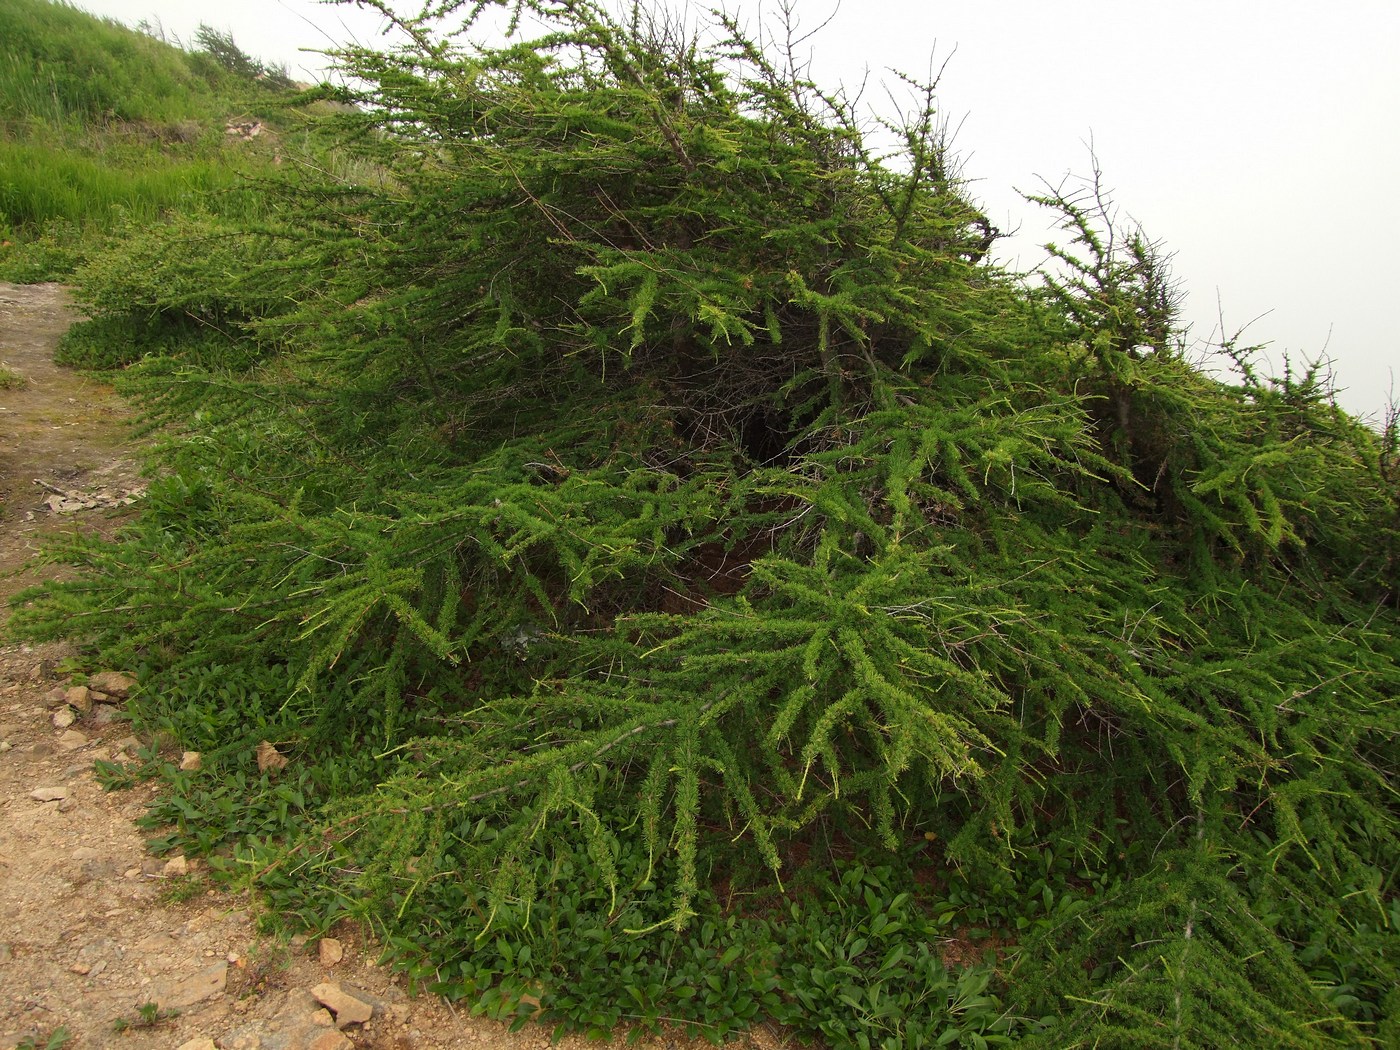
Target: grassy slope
{"points": [[101, 124]]}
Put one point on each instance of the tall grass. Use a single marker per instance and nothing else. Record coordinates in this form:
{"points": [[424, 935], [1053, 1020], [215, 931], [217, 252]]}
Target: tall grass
{"points": [[38, 184]]}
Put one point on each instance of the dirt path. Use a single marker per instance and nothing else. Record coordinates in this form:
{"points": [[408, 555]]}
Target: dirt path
{"points": [[92, 927]]}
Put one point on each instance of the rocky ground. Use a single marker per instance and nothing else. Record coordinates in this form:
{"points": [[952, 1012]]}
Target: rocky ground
{"points": [[101, 944]]}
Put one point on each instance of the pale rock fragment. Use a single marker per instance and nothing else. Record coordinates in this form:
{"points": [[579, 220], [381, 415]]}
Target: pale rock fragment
{"points": [[270, 758], [331, 1040], [79, 698], [113, 683], [347, 1008], [331, 950], [207, 983]]}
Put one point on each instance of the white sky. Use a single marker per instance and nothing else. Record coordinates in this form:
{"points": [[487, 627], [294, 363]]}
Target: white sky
{"points": [[1259, 139]]}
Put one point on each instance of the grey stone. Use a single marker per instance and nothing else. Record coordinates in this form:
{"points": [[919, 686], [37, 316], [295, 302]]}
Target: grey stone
{"points": [[104, 716]]}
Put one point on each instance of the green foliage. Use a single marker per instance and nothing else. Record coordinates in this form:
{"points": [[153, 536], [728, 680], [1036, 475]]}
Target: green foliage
{"points": [[148, 1015], [39, 184], [614, 479], [53, 255], [220, 47], [860, 967], [57, 1039]]}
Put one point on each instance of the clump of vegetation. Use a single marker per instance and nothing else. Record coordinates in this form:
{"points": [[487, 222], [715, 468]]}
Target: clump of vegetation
{"points": [[148, 1015], [687, 581], [57, 1039], [10, 379]]}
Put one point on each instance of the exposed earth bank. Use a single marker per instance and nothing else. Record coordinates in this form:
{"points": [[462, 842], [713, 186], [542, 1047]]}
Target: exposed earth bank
{"points": [[99, 939]]}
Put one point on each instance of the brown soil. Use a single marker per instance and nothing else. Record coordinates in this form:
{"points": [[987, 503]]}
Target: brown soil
{"points": [[92, 927]]}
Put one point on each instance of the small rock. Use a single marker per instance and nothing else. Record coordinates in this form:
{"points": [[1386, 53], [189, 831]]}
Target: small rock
{"points": [[104, 716], [72, 740], [332, 951], [346, 1007], [156, 942], [55, 696], [270, 758], [175, 867], [64, 717], [378, 1004], [190, 761], [330, 1041], [113, 683], [79, 698], [205, 984], [49, 794], [67, 805], [322, 1019], [92, 958], [93, 868], [202, 1043]]}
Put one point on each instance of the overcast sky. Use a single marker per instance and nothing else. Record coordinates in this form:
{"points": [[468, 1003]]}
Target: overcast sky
{"points": [[1256, 138]]}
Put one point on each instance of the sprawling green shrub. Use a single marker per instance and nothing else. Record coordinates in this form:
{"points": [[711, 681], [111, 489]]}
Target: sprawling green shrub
{"points": [[642, 475]]}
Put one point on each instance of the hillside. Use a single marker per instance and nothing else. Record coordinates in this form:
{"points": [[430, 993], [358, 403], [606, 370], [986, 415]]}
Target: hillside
{"points": [[102, 126], [617, 537]]}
